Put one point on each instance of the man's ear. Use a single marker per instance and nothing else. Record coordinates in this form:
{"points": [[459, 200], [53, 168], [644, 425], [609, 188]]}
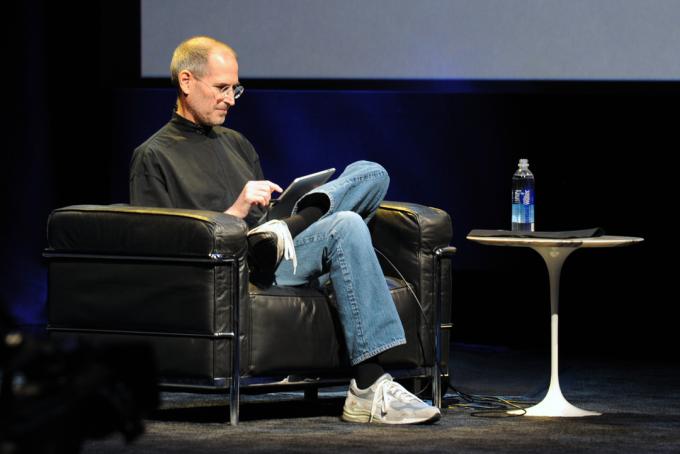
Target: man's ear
{"points": [[184, 79]]}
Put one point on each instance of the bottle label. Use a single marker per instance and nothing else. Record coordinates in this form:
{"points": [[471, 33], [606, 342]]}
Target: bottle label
{"points": [[523, 206]]}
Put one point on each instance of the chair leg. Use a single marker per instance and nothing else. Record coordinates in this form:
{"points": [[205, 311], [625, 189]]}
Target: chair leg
{"points": [[439, 255], [312, 393], [234, 401], [436, 386], [235, 385]]}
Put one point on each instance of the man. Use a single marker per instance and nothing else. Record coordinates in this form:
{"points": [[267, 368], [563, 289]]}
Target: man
{"points": [[194, 162]]}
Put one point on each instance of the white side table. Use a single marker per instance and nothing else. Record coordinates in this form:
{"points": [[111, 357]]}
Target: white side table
{"points": [[555, 252]]}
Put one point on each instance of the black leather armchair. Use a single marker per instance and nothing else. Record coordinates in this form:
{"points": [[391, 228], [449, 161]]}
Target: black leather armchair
{"points": [[179, 280]]}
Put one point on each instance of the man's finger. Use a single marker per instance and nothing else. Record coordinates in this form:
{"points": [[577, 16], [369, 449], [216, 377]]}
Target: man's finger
{"points": [[274, 187], [259, 200]]}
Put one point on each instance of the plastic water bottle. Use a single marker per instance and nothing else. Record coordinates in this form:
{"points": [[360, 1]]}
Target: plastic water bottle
{"points": [[523, 198]]}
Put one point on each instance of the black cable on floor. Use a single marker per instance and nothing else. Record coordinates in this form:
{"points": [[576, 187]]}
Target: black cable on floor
{"points": [[485, 406]]}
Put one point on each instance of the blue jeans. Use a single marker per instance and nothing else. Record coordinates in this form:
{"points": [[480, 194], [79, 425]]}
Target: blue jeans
{"points": [[338, 246]]}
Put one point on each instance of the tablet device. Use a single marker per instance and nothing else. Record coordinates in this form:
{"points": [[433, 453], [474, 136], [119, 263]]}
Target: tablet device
{"points": [[282, 207]]}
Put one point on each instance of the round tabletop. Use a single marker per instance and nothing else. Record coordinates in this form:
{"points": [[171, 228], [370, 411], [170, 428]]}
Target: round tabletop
{"points": [[596, 241]]}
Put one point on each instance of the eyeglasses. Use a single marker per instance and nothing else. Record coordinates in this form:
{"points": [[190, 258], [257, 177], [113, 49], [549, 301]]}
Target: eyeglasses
{"points": [[234, 90]]}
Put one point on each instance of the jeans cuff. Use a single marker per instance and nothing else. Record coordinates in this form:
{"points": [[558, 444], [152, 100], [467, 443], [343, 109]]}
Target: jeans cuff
{"points": [[331, 203], [378, 350]]}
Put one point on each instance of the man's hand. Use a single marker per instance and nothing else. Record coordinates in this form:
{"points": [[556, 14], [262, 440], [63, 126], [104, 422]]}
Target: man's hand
{"points": [[253, 193]]}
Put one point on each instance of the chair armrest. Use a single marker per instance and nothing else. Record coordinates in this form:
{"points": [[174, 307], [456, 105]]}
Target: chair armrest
{"points": [[145, 231], [407, 234]]}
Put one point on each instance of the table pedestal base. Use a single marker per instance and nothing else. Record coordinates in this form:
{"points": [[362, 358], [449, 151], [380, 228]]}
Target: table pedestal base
{"points": [[554, 404]]}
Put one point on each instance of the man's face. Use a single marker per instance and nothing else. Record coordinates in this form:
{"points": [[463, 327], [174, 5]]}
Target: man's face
{"points": [[205, 104]]}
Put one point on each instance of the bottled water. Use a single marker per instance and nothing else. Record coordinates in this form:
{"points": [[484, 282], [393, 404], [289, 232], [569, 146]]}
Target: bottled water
{"points": [[523, 198]]}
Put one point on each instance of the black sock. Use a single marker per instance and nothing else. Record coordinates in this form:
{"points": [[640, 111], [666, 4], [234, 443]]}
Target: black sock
{"points": [[310, 209], [302, 219], [367, 372]]}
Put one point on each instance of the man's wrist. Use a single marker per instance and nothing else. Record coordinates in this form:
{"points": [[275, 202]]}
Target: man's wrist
{"points": [[236, 212]]}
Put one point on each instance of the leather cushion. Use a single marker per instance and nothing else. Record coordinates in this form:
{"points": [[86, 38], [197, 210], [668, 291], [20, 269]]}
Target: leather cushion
{"points": [[297, 329]]}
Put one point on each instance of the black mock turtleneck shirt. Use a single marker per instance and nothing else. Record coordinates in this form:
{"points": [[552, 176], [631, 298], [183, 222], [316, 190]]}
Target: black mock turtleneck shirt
{"points": [[185, 165]]}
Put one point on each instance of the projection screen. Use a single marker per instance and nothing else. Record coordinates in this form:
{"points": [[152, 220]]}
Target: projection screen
{"points": [[426, 39]]}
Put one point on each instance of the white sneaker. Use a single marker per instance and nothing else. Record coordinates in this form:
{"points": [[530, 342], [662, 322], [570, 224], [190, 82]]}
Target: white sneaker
{"points": [[386, 402]]}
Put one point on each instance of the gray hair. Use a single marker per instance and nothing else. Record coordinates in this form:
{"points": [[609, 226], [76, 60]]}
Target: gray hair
{"points": [[192, 55]]}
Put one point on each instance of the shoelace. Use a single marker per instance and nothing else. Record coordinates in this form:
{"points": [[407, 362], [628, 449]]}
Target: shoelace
{"points": [[288, 246], [389, 391]]}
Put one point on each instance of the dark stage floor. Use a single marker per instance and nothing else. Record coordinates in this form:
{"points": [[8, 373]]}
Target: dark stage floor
{"points": [[640, 402]]}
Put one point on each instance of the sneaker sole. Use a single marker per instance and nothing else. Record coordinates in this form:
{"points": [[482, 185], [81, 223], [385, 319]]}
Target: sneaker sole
{"points": [[356, 416], [365, 417]]}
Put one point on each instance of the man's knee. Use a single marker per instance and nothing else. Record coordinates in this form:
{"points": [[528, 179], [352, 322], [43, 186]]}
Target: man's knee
{"points": [[368, 169], [371, 168], [348, 224]]}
